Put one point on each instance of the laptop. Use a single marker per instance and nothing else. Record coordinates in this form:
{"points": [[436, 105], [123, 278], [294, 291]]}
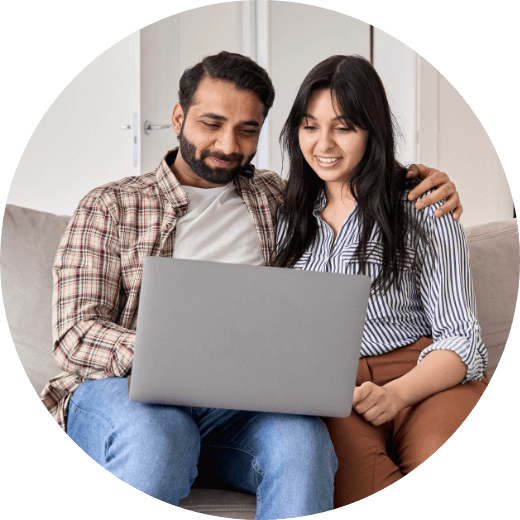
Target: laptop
{"points": [[246, 337]]}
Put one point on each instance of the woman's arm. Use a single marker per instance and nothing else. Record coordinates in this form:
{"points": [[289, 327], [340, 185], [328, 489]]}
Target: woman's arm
{"points": [[439, 370], [457, 354]]}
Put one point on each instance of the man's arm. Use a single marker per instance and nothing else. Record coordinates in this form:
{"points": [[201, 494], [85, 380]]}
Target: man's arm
{"points": [[87, 296], [444, 189]]}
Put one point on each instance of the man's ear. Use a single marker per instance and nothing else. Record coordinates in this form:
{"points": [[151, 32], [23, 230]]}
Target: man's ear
{"points": [[177, 118]]}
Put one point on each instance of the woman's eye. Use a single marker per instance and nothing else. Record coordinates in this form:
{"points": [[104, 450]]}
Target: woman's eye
{"points": [[343, 129], [309, 128]]}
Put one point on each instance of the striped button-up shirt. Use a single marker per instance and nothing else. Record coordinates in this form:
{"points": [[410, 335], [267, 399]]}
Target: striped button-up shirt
{"points": [[442, 303], [98, 268]]}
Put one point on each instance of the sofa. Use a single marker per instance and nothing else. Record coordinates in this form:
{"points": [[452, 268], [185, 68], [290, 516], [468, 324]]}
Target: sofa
{"points": [[30, 239]]}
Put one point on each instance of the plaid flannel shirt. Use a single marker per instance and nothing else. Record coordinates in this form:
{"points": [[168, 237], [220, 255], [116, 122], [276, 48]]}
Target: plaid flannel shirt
{"points": [[98, 268]]}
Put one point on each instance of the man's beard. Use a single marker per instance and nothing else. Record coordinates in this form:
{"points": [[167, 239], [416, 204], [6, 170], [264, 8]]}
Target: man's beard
{"points": [[214, 175]]}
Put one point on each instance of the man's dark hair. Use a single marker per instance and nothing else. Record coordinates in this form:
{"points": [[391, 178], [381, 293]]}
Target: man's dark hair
{"points": [[240, 70]]}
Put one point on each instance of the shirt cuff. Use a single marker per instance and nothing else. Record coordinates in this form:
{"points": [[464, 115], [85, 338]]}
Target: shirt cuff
{"points": [[474, 362]]}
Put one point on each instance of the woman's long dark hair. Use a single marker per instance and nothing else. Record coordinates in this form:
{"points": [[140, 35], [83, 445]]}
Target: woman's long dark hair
{"points": [[378, 183]]}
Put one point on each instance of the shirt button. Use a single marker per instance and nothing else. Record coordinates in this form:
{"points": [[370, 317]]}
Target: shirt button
{"points": [[78, 379], [169, 226]]}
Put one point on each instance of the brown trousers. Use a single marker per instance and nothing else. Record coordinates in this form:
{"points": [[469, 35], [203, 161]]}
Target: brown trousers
{"points": [[373, 457]]}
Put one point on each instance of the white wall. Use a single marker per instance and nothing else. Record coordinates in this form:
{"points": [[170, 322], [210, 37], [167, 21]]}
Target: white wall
{"points": [[452, 139], [440, 130], [79, 144]]}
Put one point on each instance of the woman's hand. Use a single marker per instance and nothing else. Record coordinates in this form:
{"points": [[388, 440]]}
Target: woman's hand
{"points": [[376, 404], [439, 370], [445, 189]]}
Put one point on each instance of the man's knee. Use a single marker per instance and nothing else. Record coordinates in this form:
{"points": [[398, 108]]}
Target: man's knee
{"points": [[154, 448], [301, 440]]}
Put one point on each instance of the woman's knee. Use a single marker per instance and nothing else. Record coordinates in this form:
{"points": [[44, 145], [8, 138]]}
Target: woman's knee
{"points": [[425, 427]]}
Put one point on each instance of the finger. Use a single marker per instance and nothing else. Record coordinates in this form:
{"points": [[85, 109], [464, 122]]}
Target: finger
{"points": [[457, 212], [361, 392], [421, 188], [436, 196], [437, 179], [374, 415], [413, 171], [420, 170], [380, 419], [452, 204], [364, 406], [444, 193], [367, 402]]}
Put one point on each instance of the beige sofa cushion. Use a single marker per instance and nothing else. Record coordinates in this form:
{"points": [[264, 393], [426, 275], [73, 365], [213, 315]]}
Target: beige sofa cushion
{"points": [[494, 257], [220, 502], [30, 240]]}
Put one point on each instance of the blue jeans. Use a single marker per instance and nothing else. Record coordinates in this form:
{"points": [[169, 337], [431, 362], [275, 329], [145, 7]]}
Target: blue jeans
{"points": [[287, 461]]}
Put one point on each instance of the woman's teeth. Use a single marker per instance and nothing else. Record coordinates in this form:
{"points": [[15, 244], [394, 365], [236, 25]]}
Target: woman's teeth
{"points": [[327, 160]]}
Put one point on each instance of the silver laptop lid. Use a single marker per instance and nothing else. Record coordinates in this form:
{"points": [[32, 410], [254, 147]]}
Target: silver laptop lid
{"points": [[248, 338]]}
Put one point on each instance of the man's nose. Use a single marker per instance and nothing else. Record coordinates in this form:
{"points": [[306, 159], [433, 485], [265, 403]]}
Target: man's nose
{"points": [[227, 142]]}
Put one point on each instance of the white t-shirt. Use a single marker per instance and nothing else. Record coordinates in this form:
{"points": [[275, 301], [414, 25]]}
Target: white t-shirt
{"points": [[217, 227]]}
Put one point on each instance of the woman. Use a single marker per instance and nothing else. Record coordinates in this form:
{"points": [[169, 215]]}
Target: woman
{"points": [[347, 210]]}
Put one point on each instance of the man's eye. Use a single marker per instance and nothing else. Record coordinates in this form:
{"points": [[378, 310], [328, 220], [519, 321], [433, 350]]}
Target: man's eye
{"points": [[209, 125], [250, 132]]}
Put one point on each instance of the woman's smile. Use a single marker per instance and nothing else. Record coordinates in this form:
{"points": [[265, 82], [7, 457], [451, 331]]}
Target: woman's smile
{"points": [[327, 162]]}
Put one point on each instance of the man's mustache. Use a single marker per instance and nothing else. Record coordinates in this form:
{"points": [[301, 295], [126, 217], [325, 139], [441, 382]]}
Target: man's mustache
{"points": [[221, 156]]}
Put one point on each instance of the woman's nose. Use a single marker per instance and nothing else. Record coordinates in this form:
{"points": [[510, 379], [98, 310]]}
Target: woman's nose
{"points": [[325, 141]]}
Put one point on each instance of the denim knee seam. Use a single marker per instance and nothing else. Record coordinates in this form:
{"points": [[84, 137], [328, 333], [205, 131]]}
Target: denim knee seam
{"points": [[257, 467]]}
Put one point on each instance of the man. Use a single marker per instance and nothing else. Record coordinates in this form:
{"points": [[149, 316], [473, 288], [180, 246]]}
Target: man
{"points": [[205, 201]]}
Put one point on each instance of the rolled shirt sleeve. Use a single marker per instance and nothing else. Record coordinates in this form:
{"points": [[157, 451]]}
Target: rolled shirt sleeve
{"points": [[447, 294]]}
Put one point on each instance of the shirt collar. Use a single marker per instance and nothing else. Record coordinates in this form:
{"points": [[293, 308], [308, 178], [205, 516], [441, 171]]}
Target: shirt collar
{"points": [[319, 203], [168, 183]]}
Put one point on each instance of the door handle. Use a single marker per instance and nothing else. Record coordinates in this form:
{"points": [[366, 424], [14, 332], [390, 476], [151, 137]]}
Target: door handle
{"points": [[149, 127]]}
